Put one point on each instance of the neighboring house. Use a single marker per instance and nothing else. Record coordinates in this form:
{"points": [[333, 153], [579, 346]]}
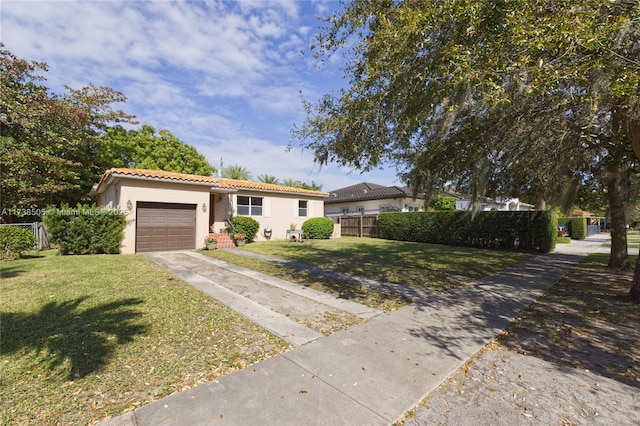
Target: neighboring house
{"points": [[511, 204], [370, 198], [581, 213], [170, 211]]}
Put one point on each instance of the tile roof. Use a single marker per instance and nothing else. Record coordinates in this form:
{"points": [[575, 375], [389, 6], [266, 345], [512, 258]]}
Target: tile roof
{"points": [[367, 191], [218, 182]]}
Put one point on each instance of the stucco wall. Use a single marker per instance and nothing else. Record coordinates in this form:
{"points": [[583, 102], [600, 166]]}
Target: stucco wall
{"points": [[136, 190], [373, 206], [280, 211]]}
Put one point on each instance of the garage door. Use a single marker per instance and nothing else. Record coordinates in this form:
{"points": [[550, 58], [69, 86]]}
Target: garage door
{"points": [[165, 226]]}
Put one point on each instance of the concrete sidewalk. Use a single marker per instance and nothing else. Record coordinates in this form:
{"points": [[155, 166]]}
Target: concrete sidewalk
{"points": [[376, 371]]}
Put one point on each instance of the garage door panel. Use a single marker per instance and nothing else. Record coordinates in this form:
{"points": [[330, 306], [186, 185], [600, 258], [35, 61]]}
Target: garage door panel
{"points": [[163, 226]]}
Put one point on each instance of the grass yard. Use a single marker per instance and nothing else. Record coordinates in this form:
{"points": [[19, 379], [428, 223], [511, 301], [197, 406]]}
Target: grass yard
{"points": [[428, 266], [359, 294], [87, 337]]}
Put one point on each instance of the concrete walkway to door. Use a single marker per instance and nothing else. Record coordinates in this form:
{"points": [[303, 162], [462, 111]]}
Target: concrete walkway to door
{"points": [[371, 373]]}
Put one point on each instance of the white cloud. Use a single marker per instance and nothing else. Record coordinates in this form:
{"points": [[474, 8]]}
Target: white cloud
{"points": [[222, 76]]}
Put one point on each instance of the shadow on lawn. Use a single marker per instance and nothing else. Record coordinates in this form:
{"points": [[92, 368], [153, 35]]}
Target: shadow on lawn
{"points": [[10, 271], [62, 330]]}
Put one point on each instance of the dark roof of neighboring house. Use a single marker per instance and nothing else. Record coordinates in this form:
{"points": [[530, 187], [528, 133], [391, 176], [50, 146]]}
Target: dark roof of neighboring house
{"points": [[217, 182], [367, 191]]}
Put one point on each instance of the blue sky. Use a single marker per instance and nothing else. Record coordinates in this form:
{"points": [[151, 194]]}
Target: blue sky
{"points": [[224, 77]]}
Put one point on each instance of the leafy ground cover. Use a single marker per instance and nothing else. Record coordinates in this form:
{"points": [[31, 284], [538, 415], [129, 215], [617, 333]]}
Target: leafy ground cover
{"points": [[585, 321], [86, 337], [428, 266]]}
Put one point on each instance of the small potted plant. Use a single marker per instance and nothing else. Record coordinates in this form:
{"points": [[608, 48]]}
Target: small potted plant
{"points": [[239, 238], [210, 243]]}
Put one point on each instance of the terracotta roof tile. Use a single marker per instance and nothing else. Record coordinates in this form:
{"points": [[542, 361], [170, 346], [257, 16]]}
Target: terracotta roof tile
{"points": [[218, 182]]}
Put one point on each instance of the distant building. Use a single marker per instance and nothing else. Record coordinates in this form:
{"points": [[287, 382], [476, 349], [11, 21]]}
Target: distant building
{"points": [[510, 204], [371, 198]]}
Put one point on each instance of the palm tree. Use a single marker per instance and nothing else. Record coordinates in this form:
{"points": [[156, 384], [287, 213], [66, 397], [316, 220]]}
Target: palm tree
{"points": [[299, 184], [269, 179], [236, 172], [292, 183]]}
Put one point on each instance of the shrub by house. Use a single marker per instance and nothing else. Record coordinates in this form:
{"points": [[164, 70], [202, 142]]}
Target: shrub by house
{"points": [[85, 229]]}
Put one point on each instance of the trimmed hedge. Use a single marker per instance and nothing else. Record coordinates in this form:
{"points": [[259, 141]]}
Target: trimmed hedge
{"points": [[247, 225], [85, 229], [491, 229], [14, 241], [318, 228], [576, 226]]}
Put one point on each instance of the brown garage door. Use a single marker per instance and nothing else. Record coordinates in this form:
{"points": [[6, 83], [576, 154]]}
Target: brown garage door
{"points": [[165, 226]]}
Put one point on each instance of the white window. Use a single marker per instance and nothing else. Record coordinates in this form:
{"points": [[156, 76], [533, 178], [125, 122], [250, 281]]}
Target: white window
{"points": [[302, 207], [249, 206]]}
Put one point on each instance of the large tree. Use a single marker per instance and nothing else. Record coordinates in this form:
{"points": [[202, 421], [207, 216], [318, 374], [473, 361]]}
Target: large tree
{"points": [[147, 149], [49, 141], [501, 97]]}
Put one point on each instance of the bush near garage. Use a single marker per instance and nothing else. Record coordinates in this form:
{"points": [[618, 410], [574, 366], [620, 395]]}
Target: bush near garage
{"points": [[246, 225], [85, 229], [15, 241], [318, 228], [490, 229]]}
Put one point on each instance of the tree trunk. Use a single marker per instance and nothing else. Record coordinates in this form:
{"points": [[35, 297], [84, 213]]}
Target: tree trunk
{"points": [[631, 126], [619, 258], [634, 292]]}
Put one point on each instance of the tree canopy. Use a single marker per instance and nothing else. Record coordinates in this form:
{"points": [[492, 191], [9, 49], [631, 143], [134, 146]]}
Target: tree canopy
{"points": [[147, 149], [485, 93], [49, 141], [524, 98]]}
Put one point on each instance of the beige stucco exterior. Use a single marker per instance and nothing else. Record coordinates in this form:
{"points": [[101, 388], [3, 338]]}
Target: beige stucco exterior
{"points": [[213, 205], [136, 191], [374, 206], [280, 212]]}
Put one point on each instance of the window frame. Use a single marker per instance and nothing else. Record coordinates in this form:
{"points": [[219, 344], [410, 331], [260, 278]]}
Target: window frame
{"points": [[304, 209], [253, 208]]}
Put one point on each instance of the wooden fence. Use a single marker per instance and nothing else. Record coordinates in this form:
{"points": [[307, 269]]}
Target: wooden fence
{"points": [[358, 225]]}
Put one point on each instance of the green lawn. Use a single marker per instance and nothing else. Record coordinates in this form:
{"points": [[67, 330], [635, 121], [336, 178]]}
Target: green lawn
{"points": [[85, 337], [430, 266]]}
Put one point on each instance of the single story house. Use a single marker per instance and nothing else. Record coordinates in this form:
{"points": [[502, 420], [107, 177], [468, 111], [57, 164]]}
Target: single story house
{"points": [[172, 211], [371, 198], [488, 204]]}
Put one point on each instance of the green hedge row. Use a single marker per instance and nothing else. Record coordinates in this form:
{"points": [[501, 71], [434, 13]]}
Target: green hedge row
{"points": [[85, 230], [492, 229], [576, 226]]}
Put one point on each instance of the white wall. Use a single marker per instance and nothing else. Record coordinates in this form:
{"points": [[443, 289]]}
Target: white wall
{"points": [[373, 206]]}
